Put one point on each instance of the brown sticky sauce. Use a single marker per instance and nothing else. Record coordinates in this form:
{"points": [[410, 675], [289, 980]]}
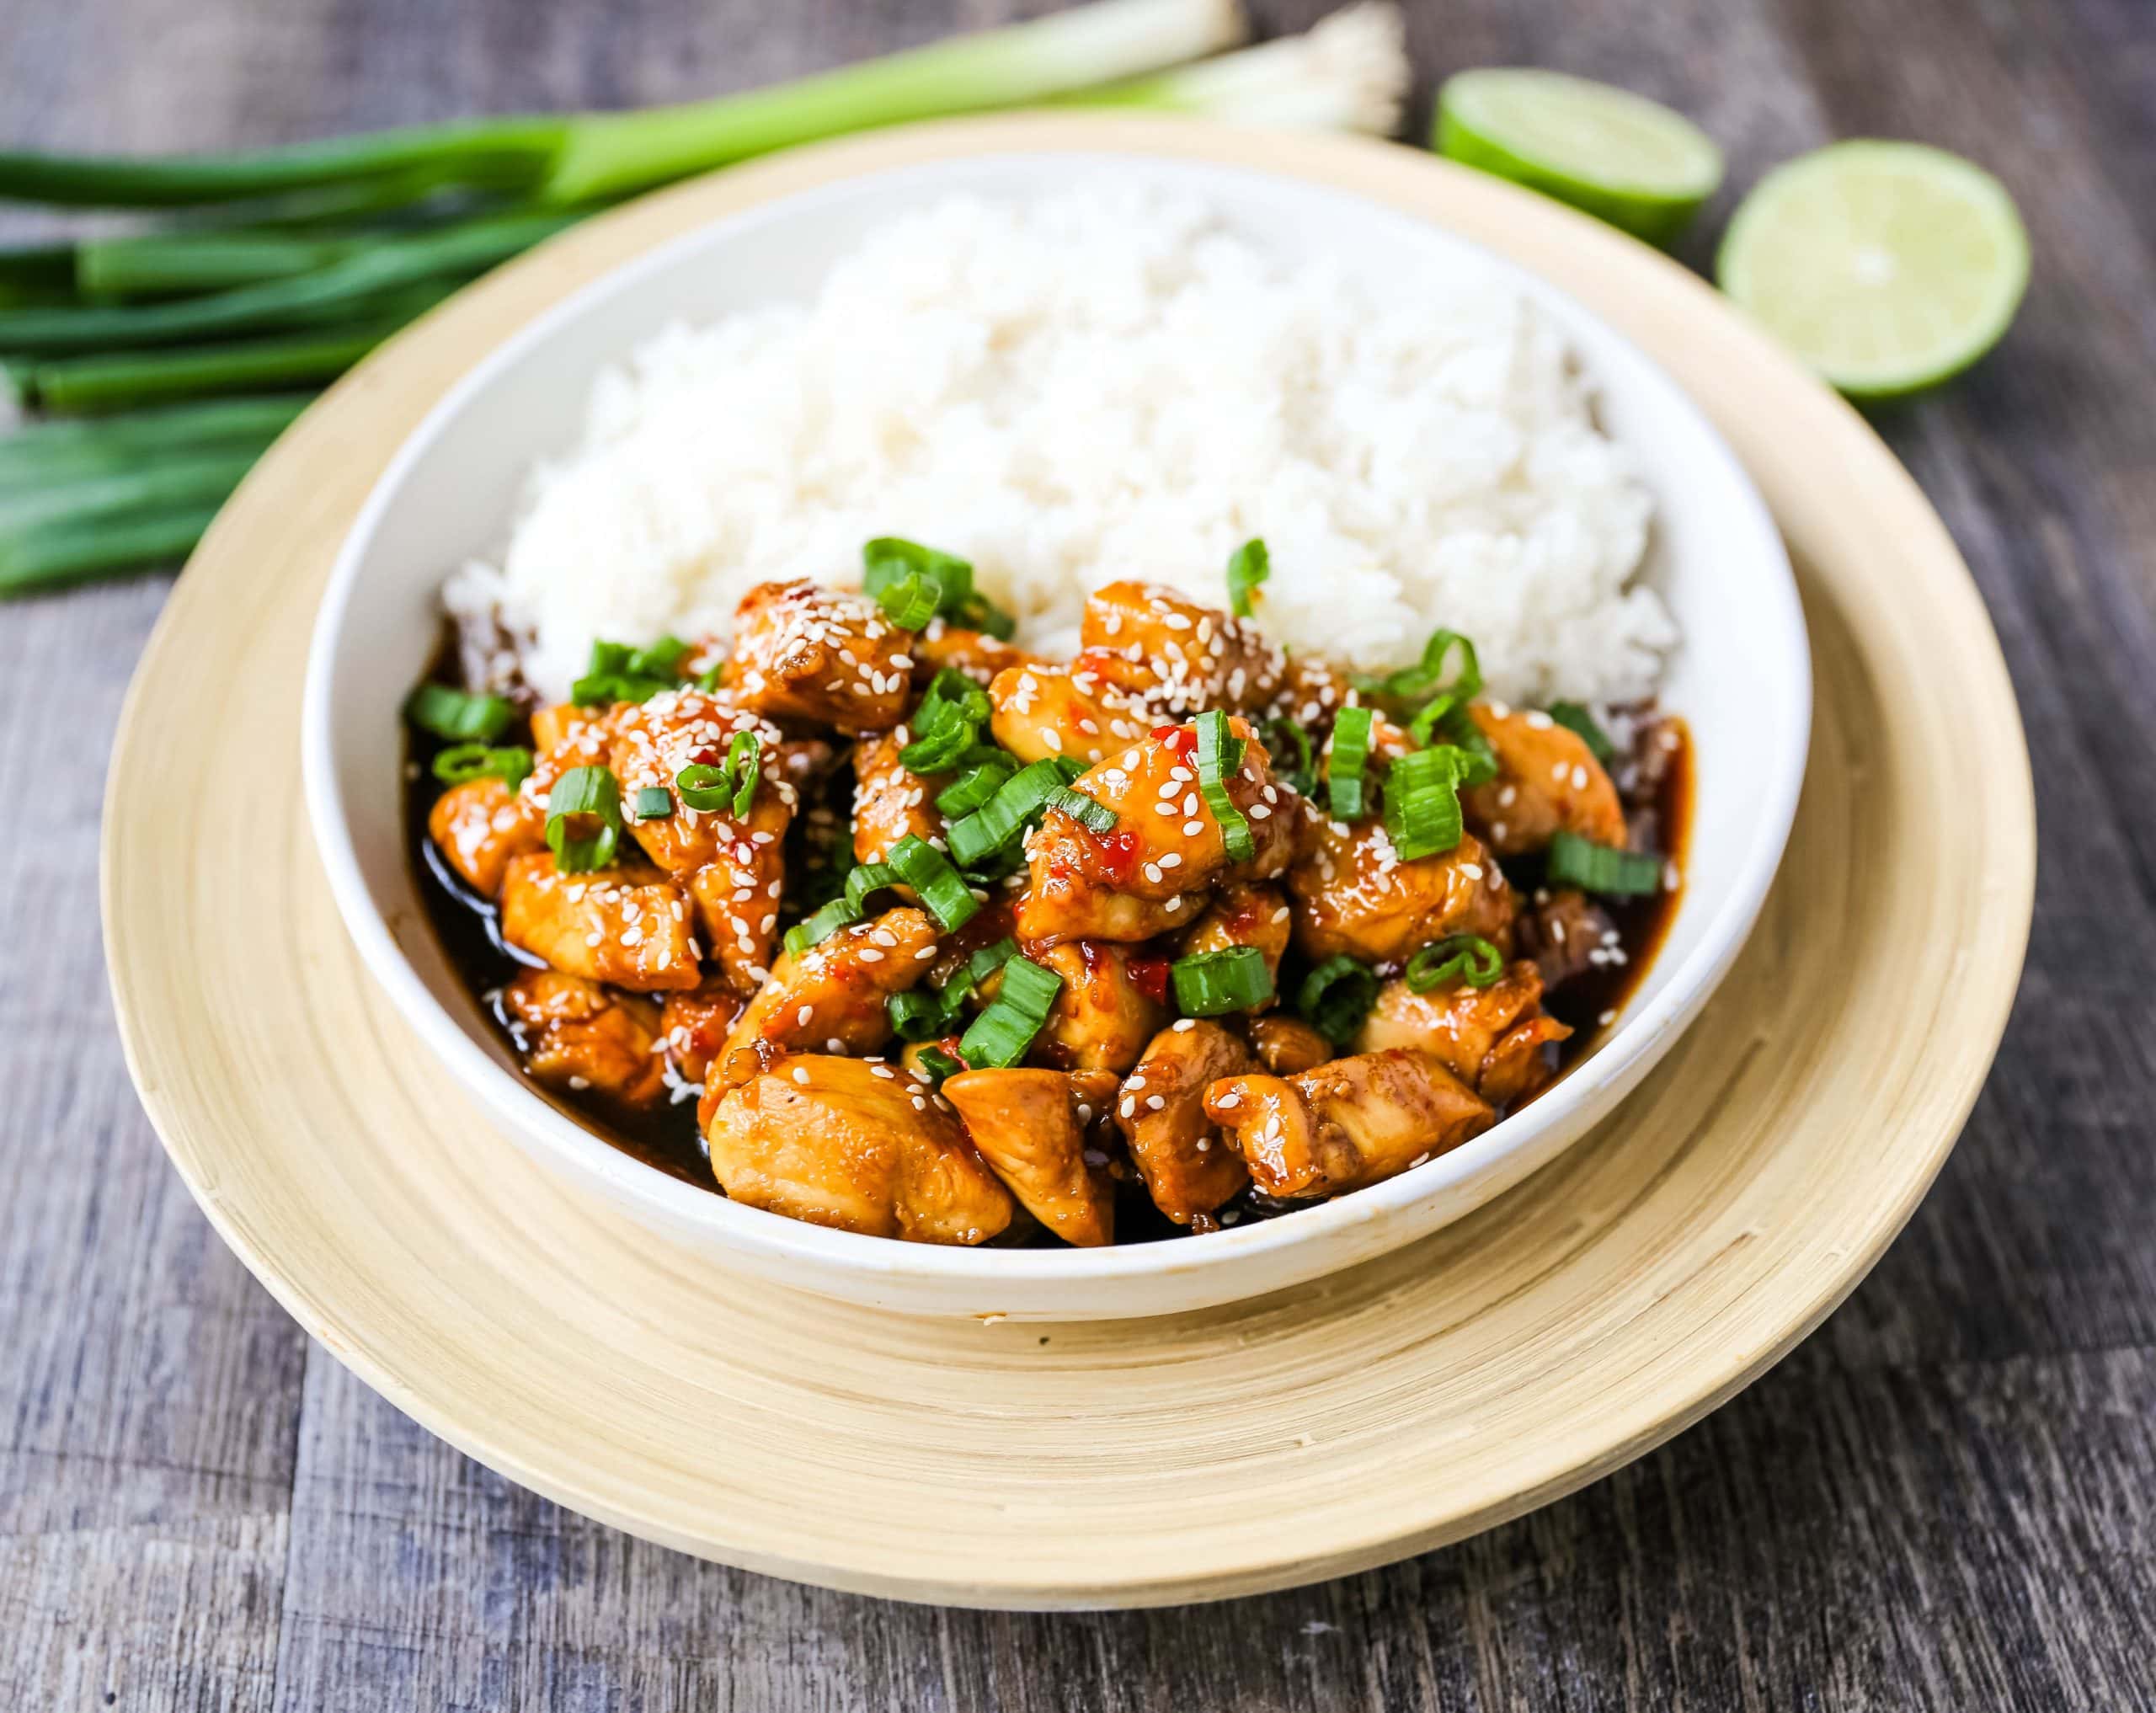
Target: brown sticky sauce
{"points": [[468, 929]]}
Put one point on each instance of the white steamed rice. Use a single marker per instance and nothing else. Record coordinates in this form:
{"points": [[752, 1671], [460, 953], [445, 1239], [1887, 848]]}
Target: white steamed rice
{"points": [[1106, 384]]}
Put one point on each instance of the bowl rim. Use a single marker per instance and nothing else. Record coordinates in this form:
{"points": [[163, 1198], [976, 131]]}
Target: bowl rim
{"points": [[1604, 1077]]}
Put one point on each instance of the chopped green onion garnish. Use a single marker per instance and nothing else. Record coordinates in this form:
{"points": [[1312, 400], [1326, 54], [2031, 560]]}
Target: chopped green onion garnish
{"points": [[1427, 674], [1248, 566], [654, 802], [1212, 983], [744, 760], [456, 716], [584, 795], [989, 828], [946, 725], [1094, 816], [975, 787], [916, 1016], [1219, 755], [706, 788], [867, 877], [814, 929], [1351, 752], [915, 584], [1603, 868], [1000, 1035], [1467, 957], [936, 1064], [989, 960], [616, 672], [1478, 763], [1335, 997], [710, 678], [1573, 717], [940, 886], [462, 763], [1422, 802]]}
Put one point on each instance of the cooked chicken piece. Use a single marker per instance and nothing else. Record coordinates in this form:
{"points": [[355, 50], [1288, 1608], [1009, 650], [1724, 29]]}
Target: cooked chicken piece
{"points": [[1490, 1038], [1112, 1002], [1166, 842], [1180, 657], [1061, 903], [1353, 894], [831, 998], [1062, 711], [578, 1038], [627, 925], [1188, 1168], [1562, 933], [1285, 1045], [1548, 780], [890, 801], [974, 654], [695, 1024], [803, 652], [859, 1146], [732, 866], [1243, 914], [567, 722], [478, 827], [1347, 1124], [1026, 1125]]}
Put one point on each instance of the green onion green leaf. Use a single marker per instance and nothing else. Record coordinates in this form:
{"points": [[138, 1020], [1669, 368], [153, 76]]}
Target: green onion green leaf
{"points": [[1573, 717], [462, 763], [1602, 868], [1335, 997], [1000, 1035], [1219, 755], [582, 797], [1212, 983], [1467, 957], [456, 716], [1351, 755], [1248, 566], [1094, 816], [940, 886], [654, 802]]}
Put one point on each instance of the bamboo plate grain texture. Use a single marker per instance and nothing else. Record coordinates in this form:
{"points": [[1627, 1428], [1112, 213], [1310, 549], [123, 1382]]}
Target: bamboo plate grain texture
{"points": [[1615, 1297]]}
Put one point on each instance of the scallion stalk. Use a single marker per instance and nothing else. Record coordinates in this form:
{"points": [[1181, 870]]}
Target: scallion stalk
{"points": [[166, 482], [51, 453], [72, 550], [346, 287], [574, 158]]}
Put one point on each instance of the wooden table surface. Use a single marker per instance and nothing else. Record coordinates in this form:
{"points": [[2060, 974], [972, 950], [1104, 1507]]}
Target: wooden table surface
{"points": [[1946, 1499]]}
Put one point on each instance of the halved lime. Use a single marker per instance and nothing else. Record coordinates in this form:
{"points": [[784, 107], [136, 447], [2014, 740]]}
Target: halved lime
{"points": [[1613, 154], [1886, 266]]}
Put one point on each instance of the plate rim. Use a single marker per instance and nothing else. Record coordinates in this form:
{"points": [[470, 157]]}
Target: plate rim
{"points": [[1571, 1462]]}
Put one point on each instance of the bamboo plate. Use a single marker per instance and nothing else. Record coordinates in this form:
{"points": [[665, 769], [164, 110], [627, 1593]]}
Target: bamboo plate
{"points": [[1653, 1270]]}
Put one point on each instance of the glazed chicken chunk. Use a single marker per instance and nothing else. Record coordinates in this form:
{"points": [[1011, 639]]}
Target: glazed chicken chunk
{"points": [[1107, 1011], [831, 998], [974, 655], [1189, 1169], [576, 1036], [1354, 895], [695, 1025], [1491, 1038], [891, 803], [626, 926], [803, 652], [1031, 1126], [1285, 1045], [480, 827], [1548, 782], [1180, 657], [1243, 914], [1042, 711], [1347, 1124], [856, 1145]]}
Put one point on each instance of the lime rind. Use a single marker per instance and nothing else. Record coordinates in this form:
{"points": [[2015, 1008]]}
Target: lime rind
{"points": [[1618, 156], [1888, 267]]}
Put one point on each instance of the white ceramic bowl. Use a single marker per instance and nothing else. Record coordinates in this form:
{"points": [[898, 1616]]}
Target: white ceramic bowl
{"points": [[1742, 677]]}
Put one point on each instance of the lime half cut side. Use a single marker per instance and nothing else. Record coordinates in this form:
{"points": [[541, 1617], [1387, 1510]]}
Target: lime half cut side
{"points": [[1611, 153], [1888, 267]]}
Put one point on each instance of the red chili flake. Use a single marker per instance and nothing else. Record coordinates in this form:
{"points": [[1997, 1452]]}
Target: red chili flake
{"points": [[1151, 976], [1183, 739]]}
